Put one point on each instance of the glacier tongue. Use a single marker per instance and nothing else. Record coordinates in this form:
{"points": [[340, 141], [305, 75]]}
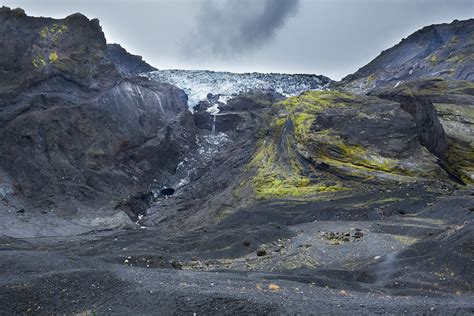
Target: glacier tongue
{"points": [[199, 83]]}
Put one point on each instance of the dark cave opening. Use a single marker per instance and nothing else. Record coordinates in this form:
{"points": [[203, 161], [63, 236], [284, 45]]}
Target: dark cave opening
{"points": [[168, 191]]}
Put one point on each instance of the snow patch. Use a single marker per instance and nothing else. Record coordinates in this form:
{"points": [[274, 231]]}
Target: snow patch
{"points": [[213, 110]]}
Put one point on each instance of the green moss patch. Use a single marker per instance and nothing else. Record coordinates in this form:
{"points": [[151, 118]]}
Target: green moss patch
{"points": [[53, 56], [274, 180], [53, 32], [38, 61]]}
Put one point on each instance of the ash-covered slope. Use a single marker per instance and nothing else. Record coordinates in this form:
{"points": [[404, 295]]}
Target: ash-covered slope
{"points": [[199, 83], [442, 51]]}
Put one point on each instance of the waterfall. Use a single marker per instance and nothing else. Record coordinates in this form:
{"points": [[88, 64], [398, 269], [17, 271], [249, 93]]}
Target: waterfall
{"points": [[214, 124], [213, 110]]}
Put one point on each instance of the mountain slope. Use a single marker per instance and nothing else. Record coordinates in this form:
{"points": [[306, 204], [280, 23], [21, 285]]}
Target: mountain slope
{"points": [[443, 50], [76, 136]]}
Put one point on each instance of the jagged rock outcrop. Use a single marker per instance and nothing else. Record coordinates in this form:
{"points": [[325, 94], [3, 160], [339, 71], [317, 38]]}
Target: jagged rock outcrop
{"points": [[76, 135], [444, 113], [437, 51], [127, 65], [35, 49], [430, 74]]}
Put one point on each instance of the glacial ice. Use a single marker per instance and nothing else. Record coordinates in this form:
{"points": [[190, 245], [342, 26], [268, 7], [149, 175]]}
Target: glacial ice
{"points": [[199, 83]]}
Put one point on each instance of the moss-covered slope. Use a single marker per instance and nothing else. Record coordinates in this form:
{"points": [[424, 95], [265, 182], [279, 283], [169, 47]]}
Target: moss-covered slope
{"points": [[326, 141]]}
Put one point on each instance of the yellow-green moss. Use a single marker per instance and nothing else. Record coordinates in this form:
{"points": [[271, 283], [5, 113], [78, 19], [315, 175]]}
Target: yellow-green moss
{"points": [[302, 124], [53, 56], [454, 109], [39, 61], [461, 162], [44, 32], [272, 180], [371, 78], [406, 240], [434, 60], [314, 101], [96, 152], [334, 151], [281, 121], [455, 39], [53, 32], [460, 58]]}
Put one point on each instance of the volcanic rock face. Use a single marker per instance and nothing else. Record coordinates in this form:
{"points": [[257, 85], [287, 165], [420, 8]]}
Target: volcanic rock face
{"points": [[445, 51], [126, 64], [36, 49], [444, 113], [75, 132], [430, 74]]}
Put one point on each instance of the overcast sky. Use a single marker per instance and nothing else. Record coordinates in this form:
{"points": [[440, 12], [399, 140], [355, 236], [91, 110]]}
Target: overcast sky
{"points": [[329, 37]]}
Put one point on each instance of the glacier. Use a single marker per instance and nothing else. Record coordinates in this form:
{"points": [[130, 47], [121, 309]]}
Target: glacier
{"points": [[198, 84]]}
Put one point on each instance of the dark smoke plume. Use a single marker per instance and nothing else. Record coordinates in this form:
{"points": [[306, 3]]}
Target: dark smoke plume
{"points": [[228, 28]]}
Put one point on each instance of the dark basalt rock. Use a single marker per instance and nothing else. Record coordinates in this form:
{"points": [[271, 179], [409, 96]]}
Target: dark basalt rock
{"points": [[37, 49], [230, 116], [437, 51], [444, 113], [127, 65], [73, 129]]}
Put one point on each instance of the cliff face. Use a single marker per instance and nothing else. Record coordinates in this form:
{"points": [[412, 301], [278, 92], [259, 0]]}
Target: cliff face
{"points": [[76, 133], [444, 113], [437, 51], [127, 65], [430, 74], [35, 49]]}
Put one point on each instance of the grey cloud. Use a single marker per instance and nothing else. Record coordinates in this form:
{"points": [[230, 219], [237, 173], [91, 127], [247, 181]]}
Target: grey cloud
{"points": [[228, 28]]}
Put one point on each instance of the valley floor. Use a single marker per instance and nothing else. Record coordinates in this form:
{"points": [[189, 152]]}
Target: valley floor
{"points": [[395, 251]]}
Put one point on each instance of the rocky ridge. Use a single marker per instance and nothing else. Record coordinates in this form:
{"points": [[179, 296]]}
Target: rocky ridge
{"points": [[437, 51], [127, 65]]}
